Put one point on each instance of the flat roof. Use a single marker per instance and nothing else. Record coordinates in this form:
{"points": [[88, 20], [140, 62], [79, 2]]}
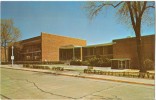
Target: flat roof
{"points": [[61, 35], [30, 40], [98, 45], [133, 37], [69, 46]]}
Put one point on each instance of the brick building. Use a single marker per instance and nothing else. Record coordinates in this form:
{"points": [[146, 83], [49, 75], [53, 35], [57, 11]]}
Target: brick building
{"points": [[43, 48], [125, 51], [2, 59], [84, 52], [122, 52], [50, 47]]}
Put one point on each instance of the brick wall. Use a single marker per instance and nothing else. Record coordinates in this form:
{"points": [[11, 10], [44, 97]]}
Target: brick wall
{"points": [[3, 54], [126, 48], [51, 44]]}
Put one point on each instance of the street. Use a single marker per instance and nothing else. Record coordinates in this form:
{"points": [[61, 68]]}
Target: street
{"points": [[18, 84]]}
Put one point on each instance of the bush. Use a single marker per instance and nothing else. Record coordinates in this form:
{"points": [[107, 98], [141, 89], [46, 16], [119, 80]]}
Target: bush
{"points": [[148, 64], [104, 62], [27, 65], [99, 61], [93, 61], [5, 63], [24, 65], [85, 63], [58, 68], [75, 62], [46, 67], [35, 66]]}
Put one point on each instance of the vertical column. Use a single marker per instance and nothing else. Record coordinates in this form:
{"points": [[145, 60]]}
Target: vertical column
{"points": [[118, 64], [66, 54], [129, 64], [122, 64], [73, 54], [81, 54], [125, 64], [12, 57]]}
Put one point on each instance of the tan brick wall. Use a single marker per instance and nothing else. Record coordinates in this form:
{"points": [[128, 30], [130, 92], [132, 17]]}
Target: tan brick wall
{"points": [[126, 48], [3, 54], [51, 44]]}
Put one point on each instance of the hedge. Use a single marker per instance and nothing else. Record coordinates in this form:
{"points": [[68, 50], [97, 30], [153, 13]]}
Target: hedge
{"points": [[127, 74], [34, 62], [42, 67]]}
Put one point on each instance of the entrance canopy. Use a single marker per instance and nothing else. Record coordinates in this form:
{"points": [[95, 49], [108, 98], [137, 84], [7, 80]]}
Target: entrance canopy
{"points": [[70, 52], [69, 47], [121, 63]]}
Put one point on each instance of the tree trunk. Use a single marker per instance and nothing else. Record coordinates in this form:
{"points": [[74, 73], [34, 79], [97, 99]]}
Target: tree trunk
{"points": [[140, 54], [139, 48]]}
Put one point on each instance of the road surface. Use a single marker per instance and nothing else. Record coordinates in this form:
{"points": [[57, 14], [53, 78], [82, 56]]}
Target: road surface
{"points": [[18, 84]]}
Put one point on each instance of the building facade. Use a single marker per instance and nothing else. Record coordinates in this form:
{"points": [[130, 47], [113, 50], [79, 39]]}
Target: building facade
{"points": [[125, 51], [3, 57], [121, 52], [84, 52], [51, 47], [43, 48]]}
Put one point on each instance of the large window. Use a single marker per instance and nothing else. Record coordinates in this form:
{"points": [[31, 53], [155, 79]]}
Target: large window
{"points": [[27, 57]]}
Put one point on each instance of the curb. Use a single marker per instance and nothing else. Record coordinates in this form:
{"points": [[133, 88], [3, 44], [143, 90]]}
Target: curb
{"points": [[107, 79], [45, 71]]}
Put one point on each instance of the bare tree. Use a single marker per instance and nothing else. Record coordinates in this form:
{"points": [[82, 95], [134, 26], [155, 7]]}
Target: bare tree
{"points": [[9, 34], [131, 11]]}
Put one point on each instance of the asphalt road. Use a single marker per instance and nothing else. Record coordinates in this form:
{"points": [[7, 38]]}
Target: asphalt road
{"points": [[17, 84]]}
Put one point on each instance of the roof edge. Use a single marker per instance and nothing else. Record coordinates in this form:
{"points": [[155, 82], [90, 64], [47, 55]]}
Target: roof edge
{"points": [[133, 37], [62, 36]]}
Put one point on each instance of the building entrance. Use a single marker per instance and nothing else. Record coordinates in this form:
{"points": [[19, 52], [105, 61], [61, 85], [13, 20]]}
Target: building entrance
{"points": [[120, 63]]}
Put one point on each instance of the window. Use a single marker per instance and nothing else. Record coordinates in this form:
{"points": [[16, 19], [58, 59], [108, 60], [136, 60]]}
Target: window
{"points": [[27, 57]]}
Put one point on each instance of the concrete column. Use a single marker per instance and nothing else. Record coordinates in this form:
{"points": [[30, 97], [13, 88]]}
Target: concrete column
{"points": [[125, 64], [129, 64], [66, 55], [118, 64], [121, 64], [73, 54], [12, 56], [81, 55]]}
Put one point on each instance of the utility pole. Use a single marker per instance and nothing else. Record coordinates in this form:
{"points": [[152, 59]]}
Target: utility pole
{"points": [[12, 57]]}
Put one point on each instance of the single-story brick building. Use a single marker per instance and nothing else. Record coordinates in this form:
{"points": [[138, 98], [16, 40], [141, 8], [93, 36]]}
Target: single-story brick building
{"points": [[122, 52]]}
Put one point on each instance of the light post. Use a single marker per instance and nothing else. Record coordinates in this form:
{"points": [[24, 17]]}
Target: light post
{"points": [[12, 57]]}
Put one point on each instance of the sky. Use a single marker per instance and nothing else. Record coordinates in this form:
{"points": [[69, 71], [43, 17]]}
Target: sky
{"points": [[67, 19]]}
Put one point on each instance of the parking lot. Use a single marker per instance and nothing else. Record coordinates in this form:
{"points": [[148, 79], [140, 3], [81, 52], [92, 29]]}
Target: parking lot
{"points": [[18, 84]]}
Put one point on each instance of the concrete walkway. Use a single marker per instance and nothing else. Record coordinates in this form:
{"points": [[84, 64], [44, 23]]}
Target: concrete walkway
{"points": [[140, 81]]}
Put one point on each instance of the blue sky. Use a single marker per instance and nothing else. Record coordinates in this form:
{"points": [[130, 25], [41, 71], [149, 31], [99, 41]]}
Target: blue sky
{"points": [[67, 19]]}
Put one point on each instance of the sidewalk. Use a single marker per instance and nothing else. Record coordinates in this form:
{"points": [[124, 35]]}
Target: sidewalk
{"points": [[140, 81]]}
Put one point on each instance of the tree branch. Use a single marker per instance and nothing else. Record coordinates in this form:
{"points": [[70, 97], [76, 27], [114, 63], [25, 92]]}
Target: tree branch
{"points": [[139, 7], [143, 9], [135, 9], [150, 7], [131, 15], [113, 5], [96, 9]]}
